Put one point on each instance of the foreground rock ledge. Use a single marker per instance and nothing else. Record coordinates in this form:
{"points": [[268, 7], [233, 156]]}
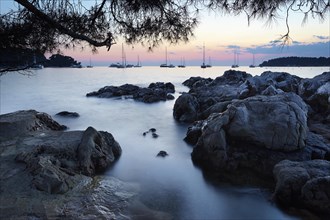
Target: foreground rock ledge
{"points": [[39, 159]]}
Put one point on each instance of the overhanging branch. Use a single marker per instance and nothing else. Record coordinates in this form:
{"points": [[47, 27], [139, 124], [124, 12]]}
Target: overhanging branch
{"points": [[108, 42]]}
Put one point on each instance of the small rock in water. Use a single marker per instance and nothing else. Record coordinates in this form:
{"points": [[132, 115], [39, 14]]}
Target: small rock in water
{"points": [[154, 135], [162, 153], [153, 130], [68, 114]]}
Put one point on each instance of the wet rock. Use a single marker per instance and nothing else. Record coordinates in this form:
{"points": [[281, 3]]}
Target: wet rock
{"points": [[68, 114], [154, 135], [162, 154], [153, 93], [316, 93], [231, 77], [96, 151], [253, 133], [153, 130], [186, 108], [194, 82], [38, 159], [303, 184], [21, 122]]}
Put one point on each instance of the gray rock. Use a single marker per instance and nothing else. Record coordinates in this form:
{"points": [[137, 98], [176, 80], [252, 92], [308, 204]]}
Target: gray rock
{"points": [[194, 82], [20, 122], [68, 114], [40, 163], [162, 153], [316, 92], [186, 108], [303, 184], [254, 133], [155, 92], [96, 151], [231, 77]]}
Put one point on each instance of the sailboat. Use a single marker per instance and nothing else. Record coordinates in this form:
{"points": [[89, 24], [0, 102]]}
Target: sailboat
{"points": [[165, 64], [235, 65], [138, 62], [203, 66], [182, 65], [252, 65], [90, 64], [123, 58]]}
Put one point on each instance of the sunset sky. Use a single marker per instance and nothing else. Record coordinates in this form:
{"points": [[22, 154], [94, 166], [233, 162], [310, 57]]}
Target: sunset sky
{"points": [[222, 35]]}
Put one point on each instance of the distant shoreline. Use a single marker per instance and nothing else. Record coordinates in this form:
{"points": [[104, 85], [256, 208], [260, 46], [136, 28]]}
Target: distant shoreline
{"points": [[297, 62]]}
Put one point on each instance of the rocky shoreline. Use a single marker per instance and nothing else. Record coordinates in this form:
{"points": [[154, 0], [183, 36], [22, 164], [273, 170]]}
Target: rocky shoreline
{"points": [[54, 173], [271, 129]]}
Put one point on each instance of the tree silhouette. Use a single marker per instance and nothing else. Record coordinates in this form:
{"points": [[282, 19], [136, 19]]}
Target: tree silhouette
{"points": [[47, 25]]}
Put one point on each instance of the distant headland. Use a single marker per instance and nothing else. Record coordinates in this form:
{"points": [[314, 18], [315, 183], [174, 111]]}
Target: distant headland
{"points": [[297, 61]]}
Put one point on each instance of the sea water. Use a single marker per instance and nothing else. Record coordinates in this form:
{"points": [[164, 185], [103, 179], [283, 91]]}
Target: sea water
{"points": [[172, 184]]}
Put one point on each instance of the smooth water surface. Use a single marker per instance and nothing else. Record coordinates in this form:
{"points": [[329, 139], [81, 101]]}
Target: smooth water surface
{"points": [[172, 184]]}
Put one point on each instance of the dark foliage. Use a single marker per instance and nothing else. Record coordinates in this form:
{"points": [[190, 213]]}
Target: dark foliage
{"points": [[58, 60], [13, 57], [297, 61], [47, 25]]}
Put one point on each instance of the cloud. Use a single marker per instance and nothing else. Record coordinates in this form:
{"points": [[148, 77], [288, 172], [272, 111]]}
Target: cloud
{"points": [[321, 37], [234, 47], [315, 49]]}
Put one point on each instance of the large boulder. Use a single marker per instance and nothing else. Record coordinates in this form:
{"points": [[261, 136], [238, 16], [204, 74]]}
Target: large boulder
{"points": [[254, 133], [303, 184], [186, 108], [96, 151], [316, 92]]}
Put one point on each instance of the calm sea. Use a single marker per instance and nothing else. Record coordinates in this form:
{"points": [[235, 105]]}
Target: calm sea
{"points": [[172, 184]]}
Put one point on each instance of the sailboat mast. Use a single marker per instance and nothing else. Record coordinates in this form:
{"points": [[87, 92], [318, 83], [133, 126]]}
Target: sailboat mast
{"points": [[166, 56], [237, 59], [122, 55], [234, 57], [203, 53]]}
